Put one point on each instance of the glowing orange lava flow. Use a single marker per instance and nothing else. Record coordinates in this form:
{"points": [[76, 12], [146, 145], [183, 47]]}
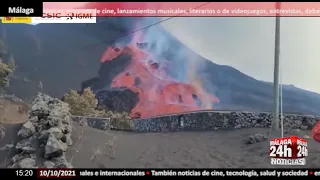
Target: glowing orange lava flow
{"points": [[158, 93]]}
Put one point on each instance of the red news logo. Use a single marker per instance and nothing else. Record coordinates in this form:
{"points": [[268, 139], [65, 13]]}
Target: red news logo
{"points": [[288, 151], [8, 18]]}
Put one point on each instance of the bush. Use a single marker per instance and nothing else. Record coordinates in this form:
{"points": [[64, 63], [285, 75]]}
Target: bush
{"points": [[120, 121], [5, 71], [86, 105], [81, 105]]}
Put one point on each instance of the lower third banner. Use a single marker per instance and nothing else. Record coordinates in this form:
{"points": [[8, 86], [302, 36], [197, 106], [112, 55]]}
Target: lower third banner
{"points": [[83, 173]]}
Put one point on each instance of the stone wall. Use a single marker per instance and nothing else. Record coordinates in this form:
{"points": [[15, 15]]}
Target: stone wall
{"points": [[94, 122], [104, 123], [208, 120], [44, 137]]}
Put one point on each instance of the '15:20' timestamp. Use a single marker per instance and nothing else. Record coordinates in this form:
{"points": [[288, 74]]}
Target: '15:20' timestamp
{"points": [[24, 172]]}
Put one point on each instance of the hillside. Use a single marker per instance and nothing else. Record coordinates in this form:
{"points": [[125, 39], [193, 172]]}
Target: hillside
{"points": [[63, 56]]}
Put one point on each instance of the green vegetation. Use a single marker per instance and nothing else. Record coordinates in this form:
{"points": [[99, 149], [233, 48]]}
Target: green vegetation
{"points": [[5, 69], [11, 63], [85, 104], [82, 105]]}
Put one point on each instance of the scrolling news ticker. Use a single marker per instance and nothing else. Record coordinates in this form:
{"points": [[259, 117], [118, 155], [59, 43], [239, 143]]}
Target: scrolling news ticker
{"points": [[83, 173]]}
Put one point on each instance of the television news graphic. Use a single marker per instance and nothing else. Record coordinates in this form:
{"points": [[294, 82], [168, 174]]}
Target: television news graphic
{"points": [[16, 20], [41, 20], [56, 173], [71, 13], [67, 16], [89, 173], [199, 9], [21, 9], [24, 173], [57, 16], [288, 151]]}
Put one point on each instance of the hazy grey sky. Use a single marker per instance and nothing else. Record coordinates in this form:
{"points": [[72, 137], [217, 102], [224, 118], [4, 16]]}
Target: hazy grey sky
{"points": [[247, 44]]}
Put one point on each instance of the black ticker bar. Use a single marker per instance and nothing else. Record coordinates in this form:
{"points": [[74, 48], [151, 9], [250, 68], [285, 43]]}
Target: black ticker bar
{"points": [[85, 173], [21, 9], [18, 173]]}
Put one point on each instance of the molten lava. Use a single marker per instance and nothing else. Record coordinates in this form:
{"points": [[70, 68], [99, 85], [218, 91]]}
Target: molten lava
{"points": [[158, 93]]}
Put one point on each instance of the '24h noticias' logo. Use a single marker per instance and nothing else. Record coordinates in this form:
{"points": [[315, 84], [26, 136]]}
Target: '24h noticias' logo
{"points": [[288, 151]]}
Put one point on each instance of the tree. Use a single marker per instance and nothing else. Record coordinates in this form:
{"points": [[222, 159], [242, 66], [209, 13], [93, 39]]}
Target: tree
{"points": [[82, 105], [90, 100], [11, 63], [86, 105], [5, 71]]}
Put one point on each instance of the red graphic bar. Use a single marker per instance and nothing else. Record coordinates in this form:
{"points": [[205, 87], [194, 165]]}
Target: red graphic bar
{"points": [[168, 9]]}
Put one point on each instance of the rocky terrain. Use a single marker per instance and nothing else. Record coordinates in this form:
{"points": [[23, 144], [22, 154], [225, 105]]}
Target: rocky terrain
{"points": [[44, 138]]}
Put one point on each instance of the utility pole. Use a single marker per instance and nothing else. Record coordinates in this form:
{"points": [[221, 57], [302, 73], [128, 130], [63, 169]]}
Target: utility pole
{"points": [[1, 29], [276, 69]]}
